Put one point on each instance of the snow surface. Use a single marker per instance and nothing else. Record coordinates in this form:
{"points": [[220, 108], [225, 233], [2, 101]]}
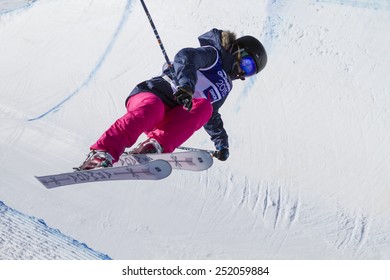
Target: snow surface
{"points": [[309, 172], [24, 237]]}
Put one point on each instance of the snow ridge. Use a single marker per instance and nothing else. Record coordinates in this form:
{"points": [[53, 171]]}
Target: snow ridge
{"points": [[11, 6], [25, 237], [101, 60]]}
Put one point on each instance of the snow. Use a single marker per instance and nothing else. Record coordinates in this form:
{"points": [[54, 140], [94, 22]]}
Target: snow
{"points": [[32, 239], [309, 172]]}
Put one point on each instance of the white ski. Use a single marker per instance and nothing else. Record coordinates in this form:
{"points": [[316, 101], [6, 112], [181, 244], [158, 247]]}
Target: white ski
{"points": [[191, 160], [152, 170]]}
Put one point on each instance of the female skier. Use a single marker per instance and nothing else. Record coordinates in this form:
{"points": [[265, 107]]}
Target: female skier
{"points": [[168, 113]]}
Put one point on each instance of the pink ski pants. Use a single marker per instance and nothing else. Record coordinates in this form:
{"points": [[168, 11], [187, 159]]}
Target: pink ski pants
{"points": [[146, 113]]}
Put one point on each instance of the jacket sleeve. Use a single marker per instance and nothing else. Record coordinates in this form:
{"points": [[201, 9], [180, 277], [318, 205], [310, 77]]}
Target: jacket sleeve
{"points": [[188, 60], [215, 128]]}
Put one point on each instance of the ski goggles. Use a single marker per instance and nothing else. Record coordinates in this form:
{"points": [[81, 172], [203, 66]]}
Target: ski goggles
{"points": [[248, 66], [246, 63]]}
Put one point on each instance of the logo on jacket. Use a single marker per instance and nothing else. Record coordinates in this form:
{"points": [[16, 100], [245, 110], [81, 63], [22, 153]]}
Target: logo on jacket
{"points": [[211, 95]]}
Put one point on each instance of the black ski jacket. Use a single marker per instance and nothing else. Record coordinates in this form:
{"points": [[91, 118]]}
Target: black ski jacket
{"points": [[186, 63]]}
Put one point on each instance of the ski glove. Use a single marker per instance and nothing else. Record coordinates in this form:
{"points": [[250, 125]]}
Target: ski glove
{"points": [[222, 153], [184, 97]]}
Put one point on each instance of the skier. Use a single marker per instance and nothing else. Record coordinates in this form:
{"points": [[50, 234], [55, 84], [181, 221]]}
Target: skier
{"points": [[168, 113]]}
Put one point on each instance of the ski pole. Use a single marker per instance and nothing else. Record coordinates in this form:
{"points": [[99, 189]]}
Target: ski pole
{"points": [[213, 153], [170, 66]]}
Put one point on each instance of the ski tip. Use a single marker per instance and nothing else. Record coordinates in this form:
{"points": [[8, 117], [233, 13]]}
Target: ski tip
{"points": [[207, 159], [202, 160], [160, 168]]}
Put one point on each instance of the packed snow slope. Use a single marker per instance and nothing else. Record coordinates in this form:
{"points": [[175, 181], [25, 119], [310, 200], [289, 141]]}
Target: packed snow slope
{"points": [[309, 171]]}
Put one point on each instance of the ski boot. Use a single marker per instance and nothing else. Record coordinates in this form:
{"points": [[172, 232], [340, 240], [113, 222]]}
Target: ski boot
{"points": [[149, 146], [96, 159]]}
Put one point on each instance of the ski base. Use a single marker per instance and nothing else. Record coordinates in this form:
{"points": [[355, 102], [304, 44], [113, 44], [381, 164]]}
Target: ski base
{"points": [[152, 170]]}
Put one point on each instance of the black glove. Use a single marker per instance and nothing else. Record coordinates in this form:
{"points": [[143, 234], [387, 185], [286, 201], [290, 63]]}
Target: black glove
{"points": [[184, 97], [222, 153]]}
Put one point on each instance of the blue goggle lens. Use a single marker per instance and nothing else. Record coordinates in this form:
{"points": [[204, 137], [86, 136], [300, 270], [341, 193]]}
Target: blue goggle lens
{"points": [[248, 65]]}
